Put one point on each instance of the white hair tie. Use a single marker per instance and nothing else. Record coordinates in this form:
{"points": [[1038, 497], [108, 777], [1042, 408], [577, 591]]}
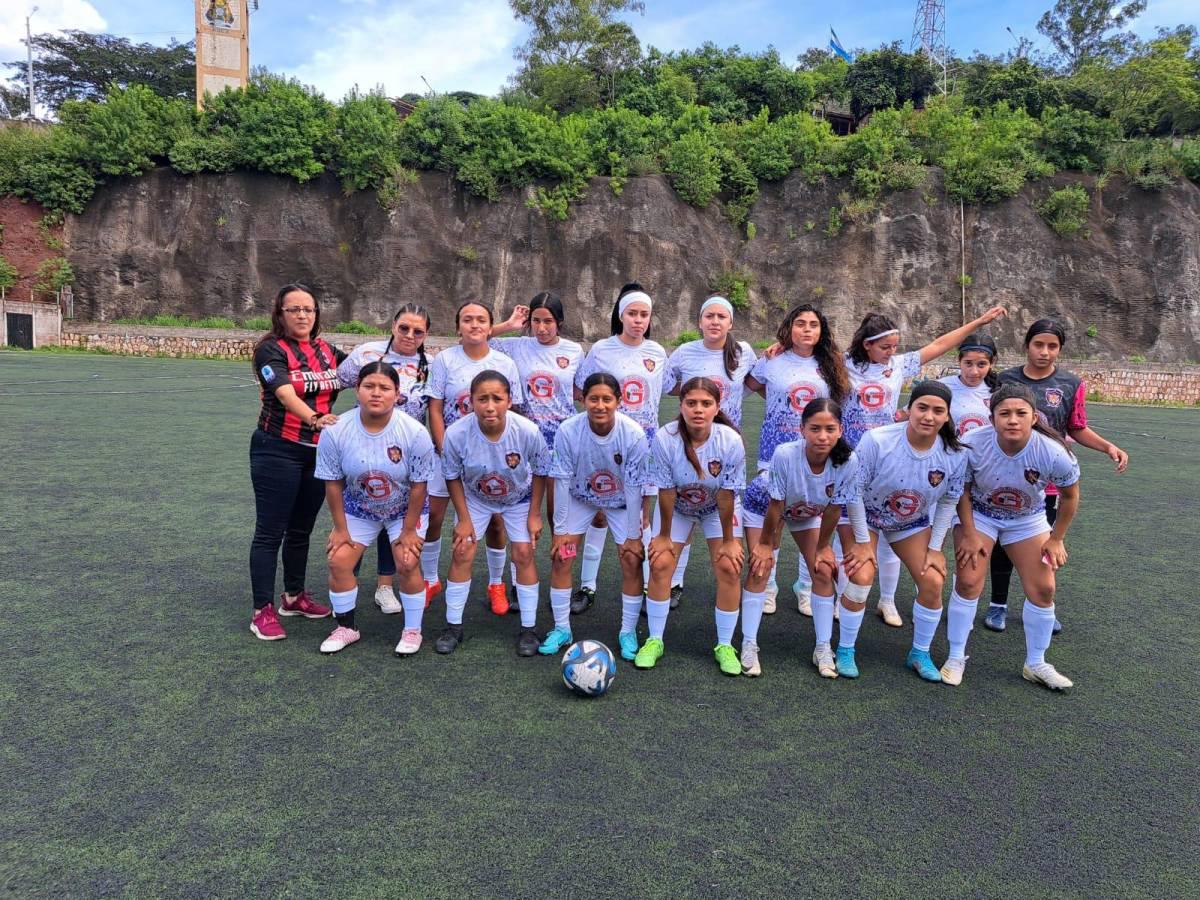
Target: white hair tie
{"points": [[717, 301], [631, 298], [882, 334]]}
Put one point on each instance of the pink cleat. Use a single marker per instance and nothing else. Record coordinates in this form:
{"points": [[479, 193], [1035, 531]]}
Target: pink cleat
{"points": [[410, 642], [341, 638]]}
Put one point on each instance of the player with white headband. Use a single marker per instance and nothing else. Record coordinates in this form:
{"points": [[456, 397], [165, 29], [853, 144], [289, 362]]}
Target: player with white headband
{"points": [[971, 389]]}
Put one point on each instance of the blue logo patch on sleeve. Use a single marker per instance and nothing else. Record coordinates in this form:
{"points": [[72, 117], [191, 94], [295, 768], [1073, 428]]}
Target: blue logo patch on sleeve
{"points": [[268, 374]]}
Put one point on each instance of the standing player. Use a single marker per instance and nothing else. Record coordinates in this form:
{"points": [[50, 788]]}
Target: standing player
{"points": [[599, 464], [912, 476], [494, 464], [971, 389], [375, 463], [404, 351], [698, 465], [297, 372], [1060, 396], [810, 479], [1011, 463], [449, 393], [726, 361], [640, 366]]}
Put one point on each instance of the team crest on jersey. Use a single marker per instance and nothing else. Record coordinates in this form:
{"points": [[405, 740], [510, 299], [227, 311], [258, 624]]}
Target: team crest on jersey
{"points": [[493, 485], [969, 423], [800, 396], [618, 458], [714, 467], [376, 486], [872, 396], [802, 510], [562, 361], [693, 495], [904, 504], [936, 477], [603, 482], [513, 459], [633, 391], [649, 363], [395, 454], [463, 403], [1032, 476], [1054, 398], [541, 385], [887, 373], [1009, 499]]}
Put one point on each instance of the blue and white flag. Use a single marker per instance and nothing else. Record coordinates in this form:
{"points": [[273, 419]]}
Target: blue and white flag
{"points": [[836, 46]]}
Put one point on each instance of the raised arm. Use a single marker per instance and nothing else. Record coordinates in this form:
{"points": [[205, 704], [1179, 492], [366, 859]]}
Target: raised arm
{"points": [[952, 339]]}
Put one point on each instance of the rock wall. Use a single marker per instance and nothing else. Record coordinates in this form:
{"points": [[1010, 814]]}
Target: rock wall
{"points": [[221, 244]]}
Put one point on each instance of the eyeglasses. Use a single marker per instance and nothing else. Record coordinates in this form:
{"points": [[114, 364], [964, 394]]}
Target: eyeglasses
{"points": [[300, 310], [415, 332]]}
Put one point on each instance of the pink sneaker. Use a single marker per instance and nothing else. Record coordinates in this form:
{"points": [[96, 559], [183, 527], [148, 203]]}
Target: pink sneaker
{"points": [[303, 605], [410, 642], [341, 638], [265, 624]]}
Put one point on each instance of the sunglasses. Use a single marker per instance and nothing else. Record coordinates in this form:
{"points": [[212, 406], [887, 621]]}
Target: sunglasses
{"points": [[408, 329]]}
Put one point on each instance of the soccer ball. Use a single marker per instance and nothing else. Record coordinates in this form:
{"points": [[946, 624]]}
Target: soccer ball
{"points": [[588, 668]]}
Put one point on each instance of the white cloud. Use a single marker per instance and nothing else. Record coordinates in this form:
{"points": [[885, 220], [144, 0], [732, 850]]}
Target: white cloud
{"points": [[52, 15], [459, 45]]}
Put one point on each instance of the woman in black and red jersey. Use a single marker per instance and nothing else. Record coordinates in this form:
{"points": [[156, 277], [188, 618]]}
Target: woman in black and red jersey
{"points": [[298, 374]]}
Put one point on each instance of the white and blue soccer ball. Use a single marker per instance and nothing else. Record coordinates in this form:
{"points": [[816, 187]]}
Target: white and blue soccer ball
{"points": [[588, 668]]}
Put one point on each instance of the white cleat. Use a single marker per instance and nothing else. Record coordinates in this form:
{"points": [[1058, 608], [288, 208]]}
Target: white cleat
{"points": [[952, 671], [804, 602], [823, 659], [341, 638], [1044, 673], [410, 642], [769, 596], [887, 611], [385, 599], [749, 657]]}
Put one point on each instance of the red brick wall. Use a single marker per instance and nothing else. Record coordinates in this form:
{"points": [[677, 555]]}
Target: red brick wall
{"points": [[23, 245]]}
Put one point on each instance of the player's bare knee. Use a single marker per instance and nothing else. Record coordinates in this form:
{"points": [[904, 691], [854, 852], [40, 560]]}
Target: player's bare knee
{"points": [[727, 573], [522, 553], [662, 565]]}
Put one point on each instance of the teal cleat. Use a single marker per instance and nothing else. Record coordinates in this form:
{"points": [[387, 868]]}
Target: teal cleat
{"points": [[846, 666], [629, 644], [557, 639], [923, 663]]}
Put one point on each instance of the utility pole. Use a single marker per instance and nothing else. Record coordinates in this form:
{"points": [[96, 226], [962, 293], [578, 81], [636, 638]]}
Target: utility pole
{"points": [[929, 36], [29, 60]]}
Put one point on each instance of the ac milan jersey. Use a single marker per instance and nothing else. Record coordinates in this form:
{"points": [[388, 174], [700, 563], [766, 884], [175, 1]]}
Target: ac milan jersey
{"points": [[722, 465], [1060, 397], [412, 397], [641, 371], [875, 393], [450, 377], [547, 378], [901, 486], [970, 407], [805, 494], [379, 469], [792, 381], [600, 466], [310, 367], [1013, 487], [495, 473], [693, 360]]}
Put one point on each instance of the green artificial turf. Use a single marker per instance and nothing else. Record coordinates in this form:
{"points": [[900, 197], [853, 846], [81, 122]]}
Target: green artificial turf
{"points": [[152, 746]]}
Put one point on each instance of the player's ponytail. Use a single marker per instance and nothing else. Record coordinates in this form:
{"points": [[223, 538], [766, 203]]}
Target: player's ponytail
{"points": [[840, 454], [699, 383]]}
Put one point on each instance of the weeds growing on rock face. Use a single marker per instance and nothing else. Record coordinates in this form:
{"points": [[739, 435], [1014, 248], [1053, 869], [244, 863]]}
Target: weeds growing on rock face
{"points": [[685, 337], [1066, 210], [354, 326], [734, 285]]}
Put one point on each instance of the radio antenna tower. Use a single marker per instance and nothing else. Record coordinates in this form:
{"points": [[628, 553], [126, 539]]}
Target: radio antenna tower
{"points": [[929, 34]]}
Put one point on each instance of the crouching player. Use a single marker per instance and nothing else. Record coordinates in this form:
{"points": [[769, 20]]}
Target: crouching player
{"points": [[375, 463]]}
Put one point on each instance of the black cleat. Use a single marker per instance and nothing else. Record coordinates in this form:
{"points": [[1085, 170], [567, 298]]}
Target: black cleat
{"points": [[449, 639], [581, 600], [676, 595], [528, 642]]}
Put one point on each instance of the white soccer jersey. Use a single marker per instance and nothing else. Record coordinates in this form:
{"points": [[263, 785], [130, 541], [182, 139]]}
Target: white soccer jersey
{"points": [[693, 360], [875, 393], [547, 379], [970, 407], [598, 467], [450, 377], [641, 371], [379, 469], [1013, 487], [900, 487], [722, 462], [496, 473], [792, 381], [412, 397], [805, 494]]}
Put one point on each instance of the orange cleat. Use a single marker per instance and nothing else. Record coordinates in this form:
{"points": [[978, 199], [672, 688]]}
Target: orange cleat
{"points": [[498, 598], [432, 589]]}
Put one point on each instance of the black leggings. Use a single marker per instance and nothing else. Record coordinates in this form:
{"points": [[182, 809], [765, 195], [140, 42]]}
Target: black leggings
{"points": [[287, 499], [1002, 567]]}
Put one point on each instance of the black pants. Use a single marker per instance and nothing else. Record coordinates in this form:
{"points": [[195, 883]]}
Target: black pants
{"points": [[287, 499], [1002, 567], [383, 549]]}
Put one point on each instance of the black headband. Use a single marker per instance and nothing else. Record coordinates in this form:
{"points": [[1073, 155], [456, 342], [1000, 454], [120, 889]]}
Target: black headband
{"points": [[1046, 326], [929, 388]]}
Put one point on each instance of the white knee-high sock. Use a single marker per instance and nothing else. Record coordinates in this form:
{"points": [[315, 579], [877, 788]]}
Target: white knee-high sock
{"points": [[631, 608], [849, 623], [512, 570], [752, 613], [647, 534], [414, 609], [681, 566], [960, 619], [889, 573], [726, 623], [560, 605], [527, 602], [431, 553], [925, 623], [771, 583], [593, 549], [344, 601], [1039, 629], [656, 617], [822, 610], [456, 600], [495, 560], [803, 579]]}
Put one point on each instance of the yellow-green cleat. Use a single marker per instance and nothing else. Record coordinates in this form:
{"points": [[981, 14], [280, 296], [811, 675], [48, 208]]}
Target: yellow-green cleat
{"points": [[727, 659], [650, 653]]}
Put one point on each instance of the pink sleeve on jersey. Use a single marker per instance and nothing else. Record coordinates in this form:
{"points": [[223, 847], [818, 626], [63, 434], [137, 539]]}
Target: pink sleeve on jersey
{"points": [[1079, 408]]}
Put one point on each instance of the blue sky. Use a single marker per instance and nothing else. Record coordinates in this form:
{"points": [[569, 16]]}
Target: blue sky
{"points": [[468, 44]]}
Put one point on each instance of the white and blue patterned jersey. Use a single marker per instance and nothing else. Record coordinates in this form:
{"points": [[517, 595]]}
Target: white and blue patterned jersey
{"points": [[495, 473], [792, 381], [1009, 488], [722, 464], [412, 397], [379, 469], [901, 486], [547, 379], [600, 466], [970, 407], [641, 372], [693, 360], [805, 494], [875, 393], [450, 377]]}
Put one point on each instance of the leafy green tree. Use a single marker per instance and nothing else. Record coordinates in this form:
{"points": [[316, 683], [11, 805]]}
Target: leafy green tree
{"points": [[366, 128], [1076, 139], [695, 171], [736, 85], [129, 132], [44, 165], [434, 135], [1089, 29], [888, 78], [1020, 83]]}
